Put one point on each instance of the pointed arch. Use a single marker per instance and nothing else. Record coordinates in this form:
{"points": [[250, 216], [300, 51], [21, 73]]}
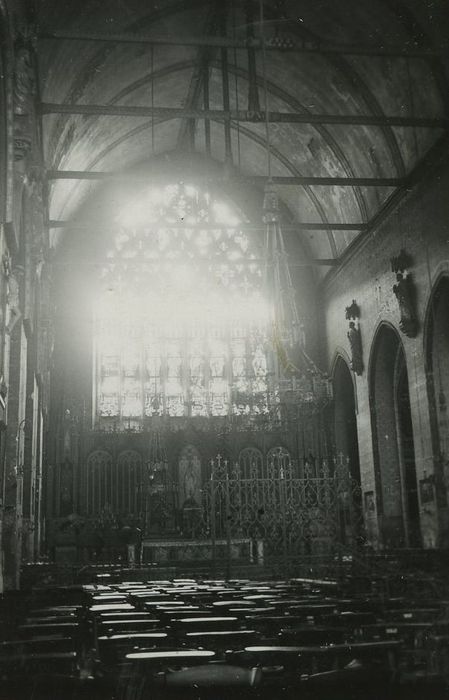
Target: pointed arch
{"points": [[393, 443], [127, 483], [436, 353], [251, 463], [99, 485], [345, 420]]}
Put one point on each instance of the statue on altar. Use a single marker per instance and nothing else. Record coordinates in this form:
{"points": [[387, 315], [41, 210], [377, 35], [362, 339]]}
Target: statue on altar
{"points": [[189, 491], [189, 476]]}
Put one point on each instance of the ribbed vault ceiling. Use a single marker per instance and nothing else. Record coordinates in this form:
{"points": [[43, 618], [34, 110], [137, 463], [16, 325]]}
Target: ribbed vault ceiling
{"points": [[362, 80]]}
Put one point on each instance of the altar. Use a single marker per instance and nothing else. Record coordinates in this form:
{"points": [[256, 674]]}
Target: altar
{"points": [[196, 551]]}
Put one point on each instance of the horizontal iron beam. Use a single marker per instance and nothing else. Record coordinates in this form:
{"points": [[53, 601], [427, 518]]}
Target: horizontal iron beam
{"points": [[290, 44], [242, 115], [308, 262], [282, 180], [329, 226], [314, 226]]}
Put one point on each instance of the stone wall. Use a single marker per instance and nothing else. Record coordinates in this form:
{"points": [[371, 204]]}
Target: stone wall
{"points": [[420, 225], [25, 300]]}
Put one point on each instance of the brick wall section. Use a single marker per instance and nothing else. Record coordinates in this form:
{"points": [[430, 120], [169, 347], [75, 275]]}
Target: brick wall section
{"points": [[421, 225]]}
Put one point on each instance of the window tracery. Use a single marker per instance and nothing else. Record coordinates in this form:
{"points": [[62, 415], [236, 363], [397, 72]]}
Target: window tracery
{"points": [[180, 327]]}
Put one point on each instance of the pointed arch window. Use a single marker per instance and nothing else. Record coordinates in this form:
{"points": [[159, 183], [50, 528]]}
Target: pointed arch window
{"points": [[99, 492], [279, 460], [251, 463], [181, 320]]}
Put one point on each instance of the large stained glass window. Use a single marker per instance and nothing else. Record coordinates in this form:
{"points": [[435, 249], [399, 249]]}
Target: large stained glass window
{"points": [[181, 320]]}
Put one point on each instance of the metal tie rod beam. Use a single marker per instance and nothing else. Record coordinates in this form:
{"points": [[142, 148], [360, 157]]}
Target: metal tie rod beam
{"points": [[308, 262], [313, 226], [290, 44], [243, 115], [282, 180]]}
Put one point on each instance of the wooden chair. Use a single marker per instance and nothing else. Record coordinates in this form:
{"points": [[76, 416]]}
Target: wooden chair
{"points": [[125, 615], [367, 678], [349, 620], [114, 626], [267, 656], [204, 623], [113, 649], [222, 640], [306, 635], [173, 657], [38, 663], [138, 681], [64, 629], [50, 643], [105, 607], [211, 676]]}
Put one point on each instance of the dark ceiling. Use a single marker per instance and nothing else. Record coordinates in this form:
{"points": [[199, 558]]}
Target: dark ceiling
{"points": [[360, 60]]}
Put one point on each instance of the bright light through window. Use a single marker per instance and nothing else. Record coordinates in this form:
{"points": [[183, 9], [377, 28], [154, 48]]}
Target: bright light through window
{"points": [[181, 325]]}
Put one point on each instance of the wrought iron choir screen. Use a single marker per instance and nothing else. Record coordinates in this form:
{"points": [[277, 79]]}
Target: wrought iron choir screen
{"points": [[289, 511]]}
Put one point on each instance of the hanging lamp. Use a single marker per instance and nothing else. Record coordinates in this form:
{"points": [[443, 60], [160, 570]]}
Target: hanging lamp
{"points": [[297, 379]]}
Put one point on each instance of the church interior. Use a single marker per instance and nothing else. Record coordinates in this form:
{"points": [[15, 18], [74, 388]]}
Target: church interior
{"points": [[224, 349]]}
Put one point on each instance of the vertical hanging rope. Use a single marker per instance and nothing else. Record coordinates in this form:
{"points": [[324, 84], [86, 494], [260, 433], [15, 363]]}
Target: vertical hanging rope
{"points": [[206, 105], [412, 103], [226, 105], [265, 90], [152, 100], [236, 84]]}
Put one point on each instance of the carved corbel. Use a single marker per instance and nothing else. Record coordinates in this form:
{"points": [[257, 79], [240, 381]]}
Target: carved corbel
{"points": [[352, 314], [404, 291]]}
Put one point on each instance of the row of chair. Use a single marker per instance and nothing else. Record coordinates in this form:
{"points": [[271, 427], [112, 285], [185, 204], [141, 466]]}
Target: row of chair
{"points": [[128, 639]]}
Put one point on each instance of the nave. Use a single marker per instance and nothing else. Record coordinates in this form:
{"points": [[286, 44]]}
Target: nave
{"points": [[117, 639], [224, 349]]}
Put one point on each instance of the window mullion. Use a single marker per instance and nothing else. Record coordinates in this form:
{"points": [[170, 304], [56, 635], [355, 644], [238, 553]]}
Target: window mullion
{"points": [[207, 377], [164, 370], [142, 370], [228, 367], [185, 374], [120, 376]]}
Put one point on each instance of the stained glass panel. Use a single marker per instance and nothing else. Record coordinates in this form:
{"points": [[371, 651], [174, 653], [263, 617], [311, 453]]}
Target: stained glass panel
{"points": [[179, 326]]}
